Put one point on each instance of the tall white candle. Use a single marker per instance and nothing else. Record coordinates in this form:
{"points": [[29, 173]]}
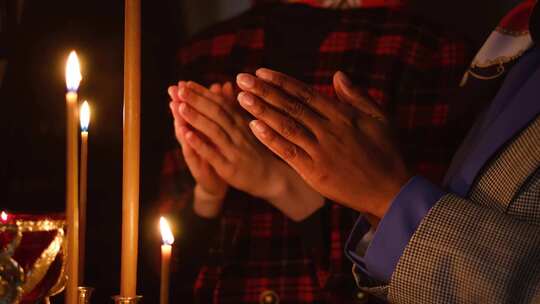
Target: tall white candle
{"points": [[83, 185], [73, 78], [131, 153]]}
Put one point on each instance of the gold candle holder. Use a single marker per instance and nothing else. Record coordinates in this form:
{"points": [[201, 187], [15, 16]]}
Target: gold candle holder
{"points": [[41, 278], [84, 294], [127, 300], [11, 279]]}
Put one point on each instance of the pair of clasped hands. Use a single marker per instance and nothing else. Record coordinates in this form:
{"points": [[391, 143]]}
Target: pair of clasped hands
{"points": [[278, 139]]}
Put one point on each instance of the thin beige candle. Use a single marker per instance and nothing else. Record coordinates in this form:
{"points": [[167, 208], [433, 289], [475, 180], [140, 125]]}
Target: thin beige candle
{"points": [[84, 114], [166, 249], [130, 177], [73, 78]]}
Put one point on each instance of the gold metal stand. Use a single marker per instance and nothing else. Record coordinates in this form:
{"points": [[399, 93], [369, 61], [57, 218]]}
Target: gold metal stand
{"points": [[84, 294], [127, 300]]}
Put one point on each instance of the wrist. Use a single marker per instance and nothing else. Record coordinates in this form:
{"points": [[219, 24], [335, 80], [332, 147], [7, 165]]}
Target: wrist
{"points": [[278, 184], [293, 196], [205, 204], [389, 195]]}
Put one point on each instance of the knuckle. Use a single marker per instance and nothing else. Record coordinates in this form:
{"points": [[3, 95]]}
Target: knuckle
{"points": [[259, 109], [269, 137], [189, 113], [219, 99], [215, 130], [218, 111], [290, 153], [263, 89], [197, 143], [207, 151], [235, 134], [318, 154], [295, 109], [307, 94], [289, 129], [315, 153], [278, 79]]}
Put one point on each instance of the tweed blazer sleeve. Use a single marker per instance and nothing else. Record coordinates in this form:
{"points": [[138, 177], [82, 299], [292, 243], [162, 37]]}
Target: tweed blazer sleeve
{"points": [[481, 249], [464, 252]]}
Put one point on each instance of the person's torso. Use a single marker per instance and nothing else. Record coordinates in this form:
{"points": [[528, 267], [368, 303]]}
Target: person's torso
{"points": [[406, 65]]}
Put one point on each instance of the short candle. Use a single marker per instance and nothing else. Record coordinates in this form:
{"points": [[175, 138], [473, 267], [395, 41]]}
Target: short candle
{"points": [[166, 248]]}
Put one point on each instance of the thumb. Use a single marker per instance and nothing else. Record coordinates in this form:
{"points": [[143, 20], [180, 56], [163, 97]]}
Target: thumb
{"points": [[352, 95]]}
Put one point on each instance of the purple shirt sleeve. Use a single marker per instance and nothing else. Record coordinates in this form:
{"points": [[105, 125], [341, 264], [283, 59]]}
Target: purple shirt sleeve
{"points": [[395, 230]]}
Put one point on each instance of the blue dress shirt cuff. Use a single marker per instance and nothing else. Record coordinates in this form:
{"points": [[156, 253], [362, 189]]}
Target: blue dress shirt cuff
{"points": [[354, 248], [396, 228]]}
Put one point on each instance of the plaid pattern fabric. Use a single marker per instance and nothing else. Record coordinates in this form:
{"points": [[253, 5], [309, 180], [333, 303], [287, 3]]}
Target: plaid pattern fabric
{"points": [[485, 247], [407, 66]]}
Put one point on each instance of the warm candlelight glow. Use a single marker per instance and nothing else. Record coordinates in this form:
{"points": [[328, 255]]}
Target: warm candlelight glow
{"points": [[166, 233], [85, 116], [166, 250], [4, 216], [73, 72]]}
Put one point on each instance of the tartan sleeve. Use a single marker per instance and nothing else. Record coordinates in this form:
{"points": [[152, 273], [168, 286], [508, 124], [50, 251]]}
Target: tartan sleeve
{"points": [[176, 198], [176, 183], [426, 99], [196, 234]]}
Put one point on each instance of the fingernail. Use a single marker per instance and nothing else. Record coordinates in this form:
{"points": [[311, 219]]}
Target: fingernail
{"points": [[182, 92], [246, 99], [171, 90], [245, 80], [183, 108], [344, 79], [258, 127], [263, 73]]}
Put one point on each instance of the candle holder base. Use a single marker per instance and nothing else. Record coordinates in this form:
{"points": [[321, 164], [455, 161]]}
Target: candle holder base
{"points": [[84, 294], [127, 300]]}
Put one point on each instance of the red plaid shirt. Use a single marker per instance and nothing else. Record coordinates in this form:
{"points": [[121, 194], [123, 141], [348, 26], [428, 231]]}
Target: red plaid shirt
{"points": [[406, 65]]}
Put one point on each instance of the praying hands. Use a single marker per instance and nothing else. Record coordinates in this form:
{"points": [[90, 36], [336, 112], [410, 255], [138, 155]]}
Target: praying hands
{"points": [[220, 151], [343, 148]]}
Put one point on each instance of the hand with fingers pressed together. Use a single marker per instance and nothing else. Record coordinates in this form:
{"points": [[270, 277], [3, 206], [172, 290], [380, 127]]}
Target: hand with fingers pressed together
{"points": [[215, 130], [210, 189], [343, 148]]}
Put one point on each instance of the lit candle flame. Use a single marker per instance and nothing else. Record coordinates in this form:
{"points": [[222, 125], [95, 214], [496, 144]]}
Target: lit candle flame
{"points": [[73, 72], [85, 116], [166, 233], [4, 216]]}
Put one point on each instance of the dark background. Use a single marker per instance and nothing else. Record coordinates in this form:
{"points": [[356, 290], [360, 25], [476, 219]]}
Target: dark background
{"points": [[32, 108]]}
